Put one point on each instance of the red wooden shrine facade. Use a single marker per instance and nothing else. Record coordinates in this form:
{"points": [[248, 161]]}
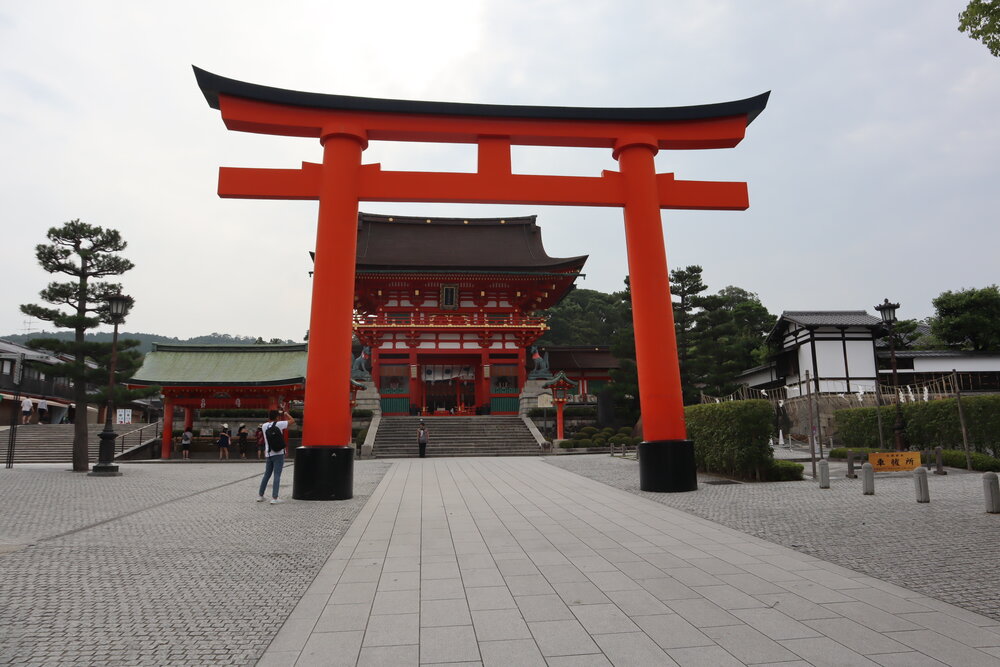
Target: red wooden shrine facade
{"points": [[448, 308]]}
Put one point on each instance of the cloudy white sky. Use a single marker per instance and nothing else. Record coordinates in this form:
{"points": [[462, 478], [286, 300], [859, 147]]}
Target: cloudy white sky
{"points": [[872, 173]]}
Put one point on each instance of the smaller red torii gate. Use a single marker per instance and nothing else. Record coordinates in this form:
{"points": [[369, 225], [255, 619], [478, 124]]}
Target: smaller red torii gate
{"points": [[344, 125]]}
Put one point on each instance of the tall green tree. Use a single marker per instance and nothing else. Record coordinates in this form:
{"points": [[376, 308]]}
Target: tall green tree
{"points": [[583, 317], [981, 19], [686, 287], [968, 319], [86, 253], [728, 333]]}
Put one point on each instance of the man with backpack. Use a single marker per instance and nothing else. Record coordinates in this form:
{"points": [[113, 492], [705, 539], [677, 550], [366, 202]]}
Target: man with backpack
{"points": [[274, 451]]}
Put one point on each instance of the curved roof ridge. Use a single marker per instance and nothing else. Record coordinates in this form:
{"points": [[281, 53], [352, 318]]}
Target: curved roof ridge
{"points": [[213, 85]]}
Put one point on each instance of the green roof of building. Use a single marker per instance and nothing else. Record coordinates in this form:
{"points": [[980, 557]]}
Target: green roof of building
{"points": [[221, 365]]}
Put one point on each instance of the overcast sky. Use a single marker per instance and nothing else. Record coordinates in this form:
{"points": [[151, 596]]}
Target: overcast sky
{"points": [[872, 172]]}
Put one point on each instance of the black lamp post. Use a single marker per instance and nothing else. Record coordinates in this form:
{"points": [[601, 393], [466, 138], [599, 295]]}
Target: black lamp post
{"points": [[888, 312], [118, 305]]}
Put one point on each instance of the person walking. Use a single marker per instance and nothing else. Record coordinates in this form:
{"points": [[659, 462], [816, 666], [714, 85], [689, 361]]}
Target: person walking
{"points": [[187, 437], [43, 410], [275, 453], [422, 438], [225, 439], [26, 408]]}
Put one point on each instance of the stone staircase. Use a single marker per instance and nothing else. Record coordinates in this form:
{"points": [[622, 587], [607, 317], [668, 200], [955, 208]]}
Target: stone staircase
{"points": [[455, 436], [53, 443]]}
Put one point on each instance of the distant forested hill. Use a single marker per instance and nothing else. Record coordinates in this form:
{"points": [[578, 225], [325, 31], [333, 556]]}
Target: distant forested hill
{"points": [[146, 340]]}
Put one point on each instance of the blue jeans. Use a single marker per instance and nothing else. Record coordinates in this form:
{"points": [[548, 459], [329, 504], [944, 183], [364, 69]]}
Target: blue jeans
{"points": [[274, 465]]}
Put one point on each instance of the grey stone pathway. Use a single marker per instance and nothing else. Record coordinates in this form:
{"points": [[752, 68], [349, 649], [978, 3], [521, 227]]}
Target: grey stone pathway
{"points": [[948, 549], [518, 562], [169, 564]]}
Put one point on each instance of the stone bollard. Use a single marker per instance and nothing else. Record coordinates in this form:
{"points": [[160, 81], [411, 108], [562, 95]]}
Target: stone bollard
{"points": [[850, 465], [920, 483], [991, 487], [868, 479], [938, 461], [824, 474]]}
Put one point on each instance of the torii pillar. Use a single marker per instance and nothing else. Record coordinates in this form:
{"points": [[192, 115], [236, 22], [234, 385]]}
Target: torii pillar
{"points": [[344, 126]]}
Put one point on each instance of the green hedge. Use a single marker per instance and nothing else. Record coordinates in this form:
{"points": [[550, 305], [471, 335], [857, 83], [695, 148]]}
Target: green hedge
{"points": [[732, 438], [928, 425], [784, 471]]}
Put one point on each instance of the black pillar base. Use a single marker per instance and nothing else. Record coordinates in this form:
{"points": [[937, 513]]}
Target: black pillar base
{"points": [[105, 470], [105, 466], [667, 466], [323, 473]]}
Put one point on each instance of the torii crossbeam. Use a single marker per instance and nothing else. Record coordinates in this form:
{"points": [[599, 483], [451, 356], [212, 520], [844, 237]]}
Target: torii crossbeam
{"points": [[344, 126]]}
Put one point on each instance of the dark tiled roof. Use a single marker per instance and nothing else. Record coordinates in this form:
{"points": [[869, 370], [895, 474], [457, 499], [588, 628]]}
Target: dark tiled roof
{"points": [[822, 318], [582, 358], [398, 243], [831, 318]]}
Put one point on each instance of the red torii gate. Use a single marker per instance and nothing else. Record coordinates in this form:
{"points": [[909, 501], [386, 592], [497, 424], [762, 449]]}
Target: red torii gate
{"points": [[344, 125]]}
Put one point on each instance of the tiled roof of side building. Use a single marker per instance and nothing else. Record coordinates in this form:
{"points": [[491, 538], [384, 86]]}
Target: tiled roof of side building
{"points": [[831, 318], [220, 365]]}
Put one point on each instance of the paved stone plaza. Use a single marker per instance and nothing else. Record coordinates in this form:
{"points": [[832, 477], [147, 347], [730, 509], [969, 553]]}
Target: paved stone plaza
{"points": [[948, 549], [169, 564], [479, 561]]}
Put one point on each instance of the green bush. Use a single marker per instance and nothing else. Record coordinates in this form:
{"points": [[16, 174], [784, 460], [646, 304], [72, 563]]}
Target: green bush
{"points": [[625, 430], [928, 425], [362, 414], [634, 441], [589, 430], [731, 438], [566, 444], [784, 471], [579, 435], [583, 443], [579, 411]]}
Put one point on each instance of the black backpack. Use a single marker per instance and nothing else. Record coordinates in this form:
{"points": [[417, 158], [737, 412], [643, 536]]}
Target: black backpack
{"points": [[275, 441]]}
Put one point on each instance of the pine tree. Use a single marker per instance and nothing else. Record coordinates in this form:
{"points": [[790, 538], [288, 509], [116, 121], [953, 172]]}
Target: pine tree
{"points": [[87, 253]]}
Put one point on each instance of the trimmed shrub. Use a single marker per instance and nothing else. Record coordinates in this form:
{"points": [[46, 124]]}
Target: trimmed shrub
{"points": [[731, 438], [784, 471], [588, 430], [583, 443], [625, 430], [928, 425], [566, 444]]}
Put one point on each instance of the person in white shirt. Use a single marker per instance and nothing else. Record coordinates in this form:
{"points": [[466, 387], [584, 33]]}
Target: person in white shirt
{"points": [[43, 410], [26, 408], [275, 457]]}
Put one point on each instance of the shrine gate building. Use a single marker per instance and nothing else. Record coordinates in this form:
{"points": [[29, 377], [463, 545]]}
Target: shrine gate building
{"points": [[447, 309]]}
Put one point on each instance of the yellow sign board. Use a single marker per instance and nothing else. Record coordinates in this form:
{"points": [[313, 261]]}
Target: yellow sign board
{"points": [[888, 461]]}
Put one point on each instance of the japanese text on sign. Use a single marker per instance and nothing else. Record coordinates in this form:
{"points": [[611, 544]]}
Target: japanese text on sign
{"points": [[888, 461]]}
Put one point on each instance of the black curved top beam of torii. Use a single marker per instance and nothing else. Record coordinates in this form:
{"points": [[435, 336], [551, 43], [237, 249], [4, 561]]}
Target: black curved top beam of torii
{"points": [[213, 85]]}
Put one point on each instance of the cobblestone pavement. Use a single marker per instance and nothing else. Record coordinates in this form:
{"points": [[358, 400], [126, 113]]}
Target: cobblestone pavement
{"points": [[168, 564], [946, 549]]}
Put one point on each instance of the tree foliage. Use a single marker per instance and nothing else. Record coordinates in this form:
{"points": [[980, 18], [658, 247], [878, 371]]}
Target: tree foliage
{"points": [[717, 335], [968, 319], [981, 20], [88, 254]]}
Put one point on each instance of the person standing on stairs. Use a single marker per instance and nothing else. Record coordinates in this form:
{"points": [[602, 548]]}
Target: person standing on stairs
{"points": [[422, 438]]}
